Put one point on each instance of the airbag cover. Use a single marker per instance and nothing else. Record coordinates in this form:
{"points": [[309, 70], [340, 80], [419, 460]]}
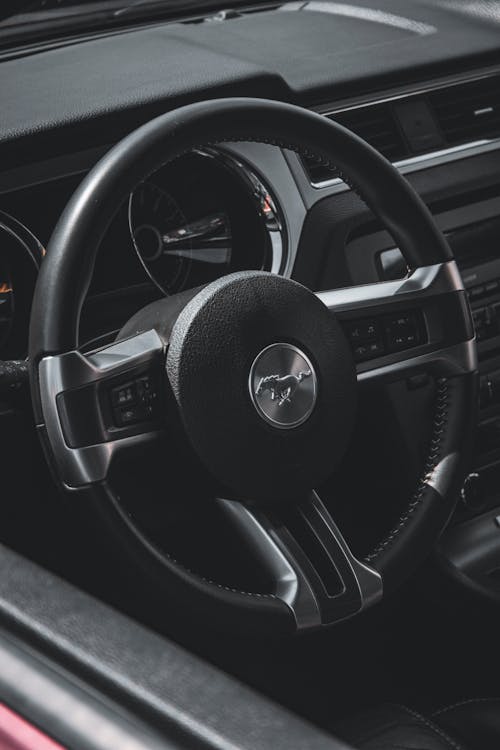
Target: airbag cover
{"points": [[215, 341]]}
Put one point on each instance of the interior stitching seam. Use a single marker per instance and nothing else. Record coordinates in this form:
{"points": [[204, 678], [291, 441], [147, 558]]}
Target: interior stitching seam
{"points": [[433, 727], [440, 421], [467, 702]]}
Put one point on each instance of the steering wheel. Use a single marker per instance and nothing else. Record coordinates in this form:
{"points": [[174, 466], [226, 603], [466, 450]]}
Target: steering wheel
{"points": [[260, 374]]}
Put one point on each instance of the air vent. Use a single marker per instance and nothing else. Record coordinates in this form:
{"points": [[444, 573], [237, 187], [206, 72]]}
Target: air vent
{"points": [[468, 112], [377, 125], [423, 123]]}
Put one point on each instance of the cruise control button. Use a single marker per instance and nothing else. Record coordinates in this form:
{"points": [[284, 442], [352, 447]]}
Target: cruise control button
{"points": [[376, 348], [403, 341], [402, 322], [124, 394], [132, 414], [363, 330], [402, 331], [369, 351], [476, 291], [361, 352]]}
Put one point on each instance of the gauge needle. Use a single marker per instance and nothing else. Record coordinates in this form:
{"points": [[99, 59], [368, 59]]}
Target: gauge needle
{"points": [[199, 228], [214, 232], [215, 255]]}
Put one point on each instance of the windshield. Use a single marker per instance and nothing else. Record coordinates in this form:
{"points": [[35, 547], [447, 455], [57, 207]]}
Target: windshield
{"points": [[28, 20]]}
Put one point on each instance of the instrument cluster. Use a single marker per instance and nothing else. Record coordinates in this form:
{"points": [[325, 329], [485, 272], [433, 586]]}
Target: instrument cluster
{"points": [[202, 216]]}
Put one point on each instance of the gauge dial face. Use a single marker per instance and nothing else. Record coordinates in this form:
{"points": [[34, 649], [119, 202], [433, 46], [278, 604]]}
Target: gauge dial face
{"points": [[153, 216], [169, 244]]}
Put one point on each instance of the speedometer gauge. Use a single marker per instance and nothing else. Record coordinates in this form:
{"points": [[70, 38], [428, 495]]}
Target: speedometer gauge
{"points": [[200, 217], [153, 216], [168, 243]]}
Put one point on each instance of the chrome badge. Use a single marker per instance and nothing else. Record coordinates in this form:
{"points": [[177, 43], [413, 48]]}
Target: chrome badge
{"points": [[283, 385]]}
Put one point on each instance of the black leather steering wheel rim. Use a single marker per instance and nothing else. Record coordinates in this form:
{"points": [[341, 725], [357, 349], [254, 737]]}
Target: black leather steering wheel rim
{"points": [[67, 269]]}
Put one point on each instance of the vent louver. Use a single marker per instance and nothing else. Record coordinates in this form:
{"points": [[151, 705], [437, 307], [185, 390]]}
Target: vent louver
{"points": [[421, 123], [377, 125], [468, 112]]}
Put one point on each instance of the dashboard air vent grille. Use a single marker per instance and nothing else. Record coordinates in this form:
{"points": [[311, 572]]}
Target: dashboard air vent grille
{"points": [[377, 125], [468, 112], [421, 123]]}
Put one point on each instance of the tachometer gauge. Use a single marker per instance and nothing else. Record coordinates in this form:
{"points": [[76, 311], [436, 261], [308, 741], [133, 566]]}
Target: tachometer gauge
{"points": [[153, 216], [169, 244]]}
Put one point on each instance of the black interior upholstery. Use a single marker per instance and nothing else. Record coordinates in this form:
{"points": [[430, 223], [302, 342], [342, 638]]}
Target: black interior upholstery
{"points": [[466, 725]]}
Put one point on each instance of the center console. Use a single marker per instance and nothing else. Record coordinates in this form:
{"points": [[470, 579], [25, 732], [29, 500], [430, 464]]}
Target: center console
{"points": [[473, 233], [470, 547], [477, 250]]}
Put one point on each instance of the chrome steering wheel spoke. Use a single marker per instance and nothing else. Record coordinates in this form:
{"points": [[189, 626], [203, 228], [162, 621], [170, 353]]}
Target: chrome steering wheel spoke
{"points": [[400, 328], [310, 563], [102, 402]]}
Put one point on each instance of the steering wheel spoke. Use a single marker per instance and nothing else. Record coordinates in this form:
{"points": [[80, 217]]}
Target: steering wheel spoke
{"points": [[399, 328], [103, 402], [302, 550]]}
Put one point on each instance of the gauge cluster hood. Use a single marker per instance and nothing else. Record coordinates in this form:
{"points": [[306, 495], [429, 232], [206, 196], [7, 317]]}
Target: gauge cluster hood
{"points": [[307, 52]]}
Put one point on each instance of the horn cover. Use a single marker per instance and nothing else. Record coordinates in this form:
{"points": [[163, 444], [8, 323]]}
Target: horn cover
{"points": [[217, 342]]}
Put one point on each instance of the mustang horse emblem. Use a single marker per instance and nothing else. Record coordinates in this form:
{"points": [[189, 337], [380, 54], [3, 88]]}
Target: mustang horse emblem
{"points": [[281, 388]]}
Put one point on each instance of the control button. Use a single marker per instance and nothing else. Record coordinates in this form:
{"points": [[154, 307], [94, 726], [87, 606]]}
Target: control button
{"points": [[476, 291], [402, 322], [361, 352], [492, 286], [376, 348], [402, 331], [369, 350], [124, 394], [363, 330], [129, 415], [134, 401], [374, 338], [403, 341]]}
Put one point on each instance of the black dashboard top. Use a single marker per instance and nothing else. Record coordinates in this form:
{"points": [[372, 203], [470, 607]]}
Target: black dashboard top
{"points": [[96, 91]]}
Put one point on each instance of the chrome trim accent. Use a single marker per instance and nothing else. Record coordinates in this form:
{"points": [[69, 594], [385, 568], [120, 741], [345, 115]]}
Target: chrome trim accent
{"points": [[265, 200], [260, 194], [439, 478], [291, 584], [458, 359], [404, 92], [292, 587], [58, 373], [424, 281], [431, 158], [271, 164], [258, 384], [368, 580]]}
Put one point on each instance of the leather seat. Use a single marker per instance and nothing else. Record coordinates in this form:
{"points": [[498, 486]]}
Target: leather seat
{"points": [[469, 725]]}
